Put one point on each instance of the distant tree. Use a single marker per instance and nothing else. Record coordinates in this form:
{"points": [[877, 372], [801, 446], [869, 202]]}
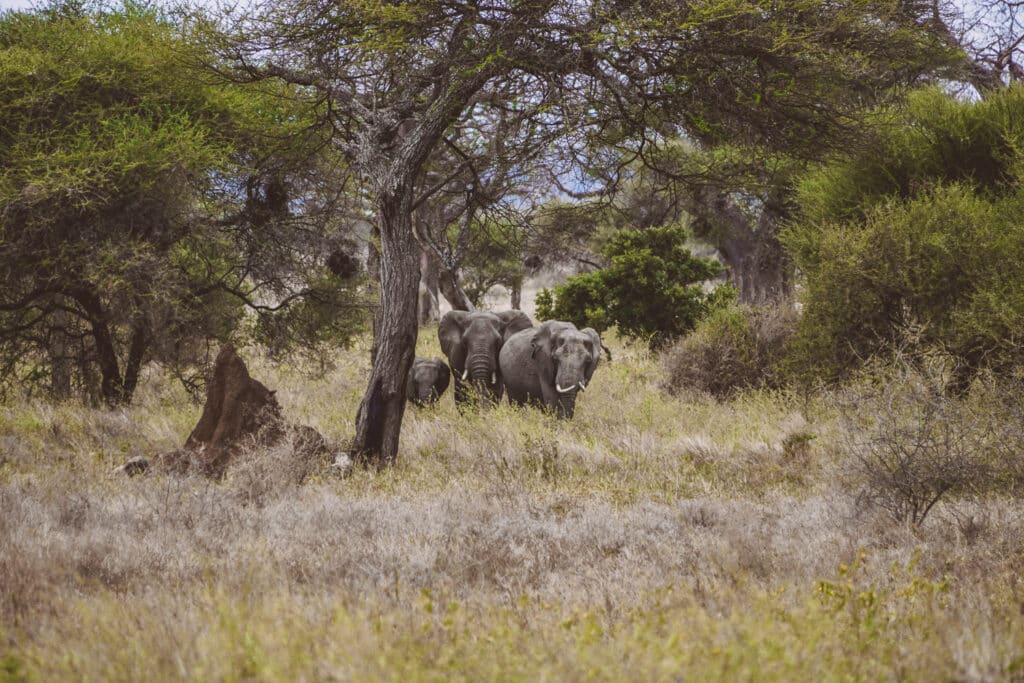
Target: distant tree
{"points": [[479, 188], [145, 210], [495, 256]]}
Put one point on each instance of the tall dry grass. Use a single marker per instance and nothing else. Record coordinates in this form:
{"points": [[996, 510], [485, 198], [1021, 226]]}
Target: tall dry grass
{"points": [[651, 538]]}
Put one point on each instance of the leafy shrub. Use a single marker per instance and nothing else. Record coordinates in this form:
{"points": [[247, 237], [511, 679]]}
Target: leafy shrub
{"points": [[651, 288], [946, 262], [923, 231], [734, 348]]}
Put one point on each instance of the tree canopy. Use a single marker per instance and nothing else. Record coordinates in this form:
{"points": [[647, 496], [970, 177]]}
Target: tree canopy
{"points": [[144, 207]]}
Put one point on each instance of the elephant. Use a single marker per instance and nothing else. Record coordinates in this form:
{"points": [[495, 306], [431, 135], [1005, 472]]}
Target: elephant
{"points": [[428, 380], [472, 342], [549, 365]]}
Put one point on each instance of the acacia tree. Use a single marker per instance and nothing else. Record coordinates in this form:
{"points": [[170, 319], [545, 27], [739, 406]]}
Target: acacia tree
{"points": [[740, 205], [398, 78], [143, 210]]}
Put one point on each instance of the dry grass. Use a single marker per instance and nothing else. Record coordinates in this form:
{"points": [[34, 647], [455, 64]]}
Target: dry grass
{"points": [[652, 538]]}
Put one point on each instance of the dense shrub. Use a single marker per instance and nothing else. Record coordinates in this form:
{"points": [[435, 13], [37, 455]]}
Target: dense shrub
{"points": [[651, 288], [734, 348], [923, 231], [947, 262]]}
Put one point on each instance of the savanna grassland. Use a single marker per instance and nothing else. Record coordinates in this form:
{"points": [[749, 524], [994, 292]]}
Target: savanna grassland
{"points": [[652, 538]]}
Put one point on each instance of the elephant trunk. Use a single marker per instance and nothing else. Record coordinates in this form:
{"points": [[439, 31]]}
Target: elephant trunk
{"points": [[565, 404], [569, 381], [481, 370]]}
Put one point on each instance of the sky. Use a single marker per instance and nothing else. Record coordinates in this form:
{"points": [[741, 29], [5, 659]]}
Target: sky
{"points": [[15, 4]]}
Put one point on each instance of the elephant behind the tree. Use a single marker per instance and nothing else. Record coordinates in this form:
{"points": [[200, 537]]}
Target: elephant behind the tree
{"points": [[428, 380], [549, 365], [472, 341]]}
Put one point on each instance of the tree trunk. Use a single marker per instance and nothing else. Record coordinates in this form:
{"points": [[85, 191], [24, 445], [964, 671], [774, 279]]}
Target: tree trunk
{"points": [[373, 258], [516, 298], [379, 421], [60, 360], [111, 383], [448, 281], [757, 268], [429, 274], [756, 263], [136, 352]]}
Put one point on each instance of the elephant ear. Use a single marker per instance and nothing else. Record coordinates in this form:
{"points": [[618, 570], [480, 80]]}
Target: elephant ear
{"points": [[546, 333], [512, 322], [543, 345], [444, 376], [450, 330], [596, 338]]}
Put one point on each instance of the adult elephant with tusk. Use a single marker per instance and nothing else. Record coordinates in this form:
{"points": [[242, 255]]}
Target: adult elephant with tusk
{"points": [[472, 342], [550, 365]]}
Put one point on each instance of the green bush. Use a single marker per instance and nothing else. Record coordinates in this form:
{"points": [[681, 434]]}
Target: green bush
{"points": [[651, 288], [734, 348], [923, 233]]}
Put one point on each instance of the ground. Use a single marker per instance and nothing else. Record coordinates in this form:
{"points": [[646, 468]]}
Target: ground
{"points": [[651, 538]]}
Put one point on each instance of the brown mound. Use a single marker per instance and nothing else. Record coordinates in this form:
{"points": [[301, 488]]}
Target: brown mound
{"points": [[239, 412]]}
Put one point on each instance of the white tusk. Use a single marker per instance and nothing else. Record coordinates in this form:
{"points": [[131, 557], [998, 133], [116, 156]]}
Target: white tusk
{"points": [[582, 385], [465, 374], [494, 378], [561, 390]]}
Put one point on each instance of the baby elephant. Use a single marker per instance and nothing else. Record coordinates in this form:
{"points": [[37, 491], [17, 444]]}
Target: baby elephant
{"points": [[428, 379]]}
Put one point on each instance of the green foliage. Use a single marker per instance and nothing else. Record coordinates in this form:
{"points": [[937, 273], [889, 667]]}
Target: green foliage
{"points": [[319, 321], [143, 207], [934, 139], [651, 288], [921, 233]]}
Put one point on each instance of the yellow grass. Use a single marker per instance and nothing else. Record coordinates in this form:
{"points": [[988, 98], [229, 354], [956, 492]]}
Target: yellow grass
{"points": [[652, 538]]}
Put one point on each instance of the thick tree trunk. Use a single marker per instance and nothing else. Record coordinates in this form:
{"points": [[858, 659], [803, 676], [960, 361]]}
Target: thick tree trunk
{"points": [[758, 269], [755, 261], [379, 421], [516, 296]]}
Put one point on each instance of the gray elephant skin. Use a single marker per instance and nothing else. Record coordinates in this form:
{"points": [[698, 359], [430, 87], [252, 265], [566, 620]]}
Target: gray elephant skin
{"points": [[472, 342], [549, 365], [428, 380]]}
